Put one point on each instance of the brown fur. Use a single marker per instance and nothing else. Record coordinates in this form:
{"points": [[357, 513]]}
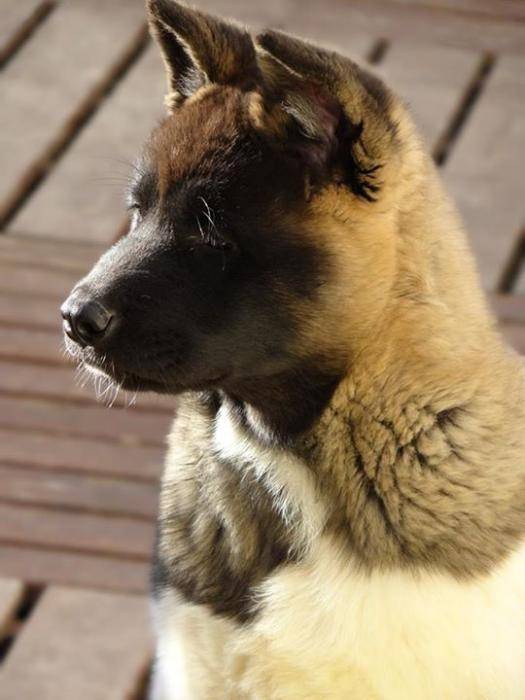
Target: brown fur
{"points": [[331, 307], [415, 450]]}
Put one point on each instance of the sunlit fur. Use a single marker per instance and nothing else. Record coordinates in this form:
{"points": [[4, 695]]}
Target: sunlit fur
{"points": [[403, 504], [342, 512]]}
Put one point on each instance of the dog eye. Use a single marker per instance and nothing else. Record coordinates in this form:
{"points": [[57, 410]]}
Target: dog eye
{"points": [[211, 245], [209, 236], [217, 243]]}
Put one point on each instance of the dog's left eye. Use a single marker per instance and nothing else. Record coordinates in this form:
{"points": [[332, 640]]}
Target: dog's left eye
{"points": [[210, 245], [216, 243], [209, 236]]}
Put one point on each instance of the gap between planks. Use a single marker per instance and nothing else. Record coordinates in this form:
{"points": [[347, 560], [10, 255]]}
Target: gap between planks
{"points": [[377, 51], [37, 172], [108, 658], [513, 266], [25, 30], [20, 603], [465, 106]]}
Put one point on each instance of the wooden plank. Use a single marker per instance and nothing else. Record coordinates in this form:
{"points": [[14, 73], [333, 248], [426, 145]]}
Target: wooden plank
{"points": [[61, 383], [77, 493], [50, 253], [484, 171], [504, 9], [80, 644], [274, 13], [509, 307], [11, 592], [83, 198], [327, 29], [432, 80], [75, 532], [13, 13], [42, 282], [383, 18], [520, 281], [17, 20], [509, 278], [43, 566], [43, 88], [514, 333], [30, 311], [116, 425], [36, 345], [82, 456]]}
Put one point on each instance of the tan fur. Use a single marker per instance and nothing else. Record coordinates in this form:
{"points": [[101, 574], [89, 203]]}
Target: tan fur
{"points": [[412, 478]]}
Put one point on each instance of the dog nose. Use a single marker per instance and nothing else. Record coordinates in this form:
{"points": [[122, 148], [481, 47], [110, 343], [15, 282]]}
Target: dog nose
{"points": [[86, 322]]}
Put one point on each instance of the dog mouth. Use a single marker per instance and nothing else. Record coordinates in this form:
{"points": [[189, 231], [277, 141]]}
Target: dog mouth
{"points": [[129, 381], [124, 379], [110, 377]]}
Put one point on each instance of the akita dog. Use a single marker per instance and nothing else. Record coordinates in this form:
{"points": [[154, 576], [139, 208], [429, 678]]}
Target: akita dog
{"points": [[342, 512]]}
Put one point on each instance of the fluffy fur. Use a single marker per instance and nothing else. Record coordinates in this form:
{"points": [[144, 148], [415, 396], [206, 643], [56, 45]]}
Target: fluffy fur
{"points": [[329, 628], [342, 513]]}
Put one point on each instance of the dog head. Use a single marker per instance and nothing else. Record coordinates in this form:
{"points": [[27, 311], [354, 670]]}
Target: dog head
{"points": [[263, 228]]}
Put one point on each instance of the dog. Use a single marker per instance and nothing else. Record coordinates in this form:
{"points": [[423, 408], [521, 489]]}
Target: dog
{"points": [[342, 512]]}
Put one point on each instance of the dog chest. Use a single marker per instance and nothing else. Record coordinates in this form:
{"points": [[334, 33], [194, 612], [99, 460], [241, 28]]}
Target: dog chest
{"points": [[327, 631]]}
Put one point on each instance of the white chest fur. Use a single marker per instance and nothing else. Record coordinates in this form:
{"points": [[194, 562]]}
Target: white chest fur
{"points": [[289, 482], [328, 630]]}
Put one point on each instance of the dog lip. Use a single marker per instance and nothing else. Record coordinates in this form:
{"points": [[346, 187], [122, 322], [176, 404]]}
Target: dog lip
{"points": [[129, 380]]}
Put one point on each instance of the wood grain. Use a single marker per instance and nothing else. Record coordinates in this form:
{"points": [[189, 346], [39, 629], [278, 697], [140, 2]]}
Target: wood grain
{"points": [[76, 493], [484, 171], [114, 425], [431, 79], [44, 86], [80, 456], [80, 644], [83, 198], [42, 566], [75, 532]]}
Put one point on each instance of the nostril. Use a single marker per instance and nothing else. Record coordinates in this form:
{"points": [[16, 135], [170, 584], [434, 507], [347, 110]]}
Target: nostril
{"points": [[85, 322], [92, 319]]}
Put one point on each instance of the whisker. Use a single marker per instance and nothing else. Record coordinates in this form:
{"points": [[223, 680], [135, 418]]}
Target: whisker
{"points": [[208, 214]]}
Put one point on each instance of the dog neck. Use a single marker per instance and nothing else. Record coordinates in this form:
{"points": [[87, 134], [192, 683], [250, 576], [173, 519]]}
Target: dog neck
{"points": [[278, 408]]}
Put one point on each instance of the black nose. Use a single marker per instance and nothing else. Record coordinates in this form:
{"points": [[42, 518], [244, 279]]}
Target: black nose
{"points": [[85, 321]]}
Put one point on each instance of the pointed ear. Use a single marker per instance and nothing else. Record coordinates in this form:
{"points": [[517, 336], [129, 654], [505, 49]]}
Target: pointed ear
{"points": [[307, 115], [342, 106], [198, 49]]}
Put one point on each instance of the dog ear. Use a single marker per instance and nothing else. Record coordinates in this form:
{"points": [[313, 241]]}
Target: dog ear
{"points": [[343, 109], [314, 113], [199, 49]]}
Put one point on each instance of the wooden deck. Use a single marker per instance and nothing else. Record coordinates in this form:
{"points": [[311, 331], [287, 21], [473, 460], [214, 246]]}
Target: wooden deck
{"points": [[81, 86]]}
